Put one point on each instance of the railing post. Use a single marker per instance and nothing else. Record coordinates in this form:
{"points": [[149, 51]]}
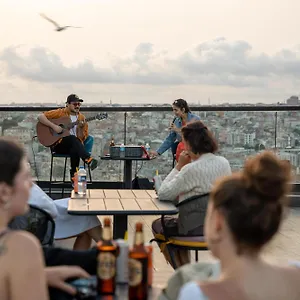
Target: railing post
{"points": [[125, 126], [275, 133]]}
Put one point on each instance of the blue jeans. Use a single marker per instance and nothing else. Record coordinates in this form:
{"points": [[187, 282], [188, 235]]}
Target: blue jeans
{"points": [[88, 144]]}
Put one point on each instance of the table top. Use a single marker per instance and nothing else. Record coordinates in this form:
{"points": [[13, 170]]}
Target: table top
{"points": [[108, 157], [119, 202]]}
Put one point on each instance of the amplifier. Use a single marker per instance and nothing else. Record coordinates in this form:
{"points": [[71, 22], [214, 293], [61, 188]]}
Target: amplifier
{"points": [[130, 151]]}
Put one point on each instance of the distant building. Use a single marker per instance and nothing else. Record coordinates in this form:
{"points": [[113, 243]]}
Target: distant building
{"points": [[24, 135], [249, 138], [293, 100]]}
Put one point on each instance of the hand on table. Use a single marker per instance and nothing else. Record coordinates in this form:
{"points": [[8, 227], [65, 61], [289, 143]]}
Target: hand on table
{"points": [[56, 277]]}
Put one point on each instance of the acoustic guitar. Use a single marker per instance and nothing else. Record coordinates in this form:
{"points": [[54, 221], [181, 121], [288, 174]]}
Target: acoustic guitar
{"points": [[47, 136]]}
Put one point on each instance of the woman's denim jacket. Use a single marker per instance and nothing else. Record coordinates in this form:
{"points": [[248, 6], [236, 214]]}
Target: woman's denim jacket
{"points": [[174, 136]]}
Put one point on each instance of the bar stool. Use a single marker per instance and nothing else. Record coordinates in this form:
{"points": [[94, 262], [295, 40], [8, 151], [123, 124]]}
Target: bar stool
{"points": [[65, 156]]}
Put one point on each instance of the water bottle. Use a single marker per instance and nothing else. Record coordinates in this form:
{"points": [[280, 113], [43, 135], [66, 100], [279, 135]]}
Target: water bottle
{"points": [[122, 150], [82, 181], [147, 147]]}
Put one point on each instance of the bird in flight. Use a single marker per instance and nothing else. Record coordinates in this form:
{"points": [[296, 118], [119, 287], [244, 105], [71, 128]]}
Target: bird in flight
{"points": [[58, 28]]}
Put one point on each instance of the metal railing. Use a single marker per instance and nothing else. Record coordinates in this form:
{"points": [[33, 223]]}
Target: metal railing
{"points": [[241, 131]]}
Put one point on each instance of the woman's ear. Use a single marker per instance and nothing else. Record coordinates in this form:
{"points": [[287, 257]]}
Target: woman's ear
{"points": [[217, 226], [5, 195]]}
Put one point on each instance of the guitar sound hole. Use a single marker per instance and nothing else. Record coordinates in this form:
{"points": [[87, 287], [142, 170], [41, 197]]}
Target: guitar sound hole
{"points": [[57, 134]]}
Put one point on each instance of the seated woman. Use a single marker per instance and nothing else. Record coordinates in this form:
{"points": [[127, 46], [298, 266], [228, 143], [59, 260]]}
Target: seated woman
{"points": [[196, 171], [22, 273], [84, 228], [182, 116], [244, 213]]}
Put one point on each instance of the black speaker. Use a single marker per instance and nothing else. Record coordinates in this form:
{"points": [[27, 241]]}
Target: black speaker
{"points": [[141, 184]]}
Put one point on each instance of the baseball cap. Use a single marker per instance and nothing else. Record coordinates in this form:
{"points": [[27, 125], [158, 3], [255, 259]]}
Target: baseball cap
{"points": [[73, 98]]}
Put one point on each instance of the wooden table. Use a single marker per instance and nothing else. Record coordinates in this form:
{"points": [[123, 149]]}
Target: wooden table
{"points": [[120, 204]]}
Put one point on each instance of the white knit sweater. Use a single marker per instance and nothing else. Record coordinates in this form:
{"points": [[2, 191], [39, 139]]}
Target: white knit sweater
{"points": [[195, 178]]}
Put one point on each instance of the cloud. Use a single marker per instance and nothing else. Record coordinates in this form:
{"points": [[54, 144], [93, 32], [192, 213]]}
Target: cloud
{"points": [[218, 62]]}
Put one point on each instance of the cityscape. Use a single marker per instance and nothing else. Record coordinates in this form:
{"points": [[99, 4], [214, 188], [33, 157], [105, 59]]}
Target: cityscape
{"points": [[240, 135]]}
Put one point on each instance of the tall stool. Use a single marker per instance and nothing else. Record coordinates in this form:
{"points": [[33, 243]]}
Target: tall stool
{"points": [[65, 156]]}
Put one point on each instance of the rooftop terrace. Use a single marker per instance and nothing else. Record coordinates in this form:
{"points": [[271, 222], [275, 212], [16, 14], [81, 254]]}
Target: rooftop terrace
{"points": [[242, 131]]}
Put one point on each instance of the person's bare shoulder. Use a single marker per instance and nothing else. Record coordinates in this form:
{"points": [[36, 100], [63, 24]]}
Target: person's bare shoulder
{"points": [[22, 244]]}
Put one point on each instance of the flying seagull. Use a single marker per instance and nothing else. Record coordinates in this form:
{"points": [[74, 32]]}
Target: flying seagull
{"points": [[58, 28]]}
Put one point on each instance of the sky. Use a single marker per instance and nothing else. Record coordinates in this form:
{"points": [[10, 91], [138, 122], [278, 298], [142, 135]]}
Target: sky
{"points": [[142, 51]]}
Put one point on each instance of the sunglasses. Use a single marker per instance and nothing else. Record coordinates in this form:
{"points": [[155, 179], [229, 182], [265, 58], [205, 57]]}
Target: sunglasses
{"points": [[76, 103]]}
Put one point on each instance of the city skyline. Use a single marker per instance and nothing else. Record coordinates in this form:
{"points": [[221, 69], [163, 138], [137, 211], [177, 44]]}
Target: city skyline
{"points": [[146, 52]]}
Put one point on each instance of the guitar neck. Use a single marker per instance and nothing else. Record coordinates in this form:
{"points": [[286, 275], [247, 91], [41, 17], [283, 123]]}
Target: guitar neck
{"points": [[90, 118], [77, 121]]}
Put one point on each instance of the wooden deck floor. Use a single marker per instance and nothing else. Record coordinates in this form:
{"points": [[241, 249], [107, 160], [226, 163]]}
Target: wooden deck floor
{"points": [[286, 245]]}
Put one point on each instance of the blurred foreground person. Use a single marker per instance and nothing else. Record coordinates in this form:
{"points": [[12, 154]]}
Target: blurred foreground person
{"points": [[245, 211]]}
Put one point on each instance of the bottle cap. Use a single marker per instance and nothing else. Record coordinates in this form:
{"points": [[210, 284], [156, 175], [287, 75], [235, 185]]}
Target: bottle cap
{"points": [[139, 226], [107, 222]]}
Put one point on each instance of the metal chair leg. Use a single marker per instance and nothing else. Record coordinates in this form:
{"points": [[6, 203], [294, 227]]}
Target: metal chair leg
{"points": [[51, 170], [196, 255], [90, 174], [89, 170], [171, 254], [64, 178]]}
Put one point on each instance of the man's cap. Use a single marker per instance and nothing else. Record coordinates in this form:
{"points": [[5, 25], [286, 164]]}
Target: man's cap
{"points": [[73, 98]]}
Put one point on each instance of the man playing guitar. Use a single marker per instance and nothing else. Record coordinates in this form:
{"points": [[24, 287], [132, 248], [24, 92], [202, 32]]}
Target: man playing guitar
{"points": [[73, 143]]}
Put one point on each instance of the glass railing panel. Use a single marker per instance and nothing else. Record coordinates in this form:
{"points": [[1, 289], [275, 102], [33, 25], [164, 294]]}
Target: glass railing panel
{"points": [[240, 134], [22, 125], [288, 139], [150, 127]]}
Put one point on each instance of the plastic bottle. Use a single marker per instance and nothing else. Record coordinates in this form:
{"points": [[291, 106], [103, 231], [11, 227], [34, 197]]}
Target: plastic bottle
{"points": [[122, 261], [82, 181], [147, 147], [122, 150]]}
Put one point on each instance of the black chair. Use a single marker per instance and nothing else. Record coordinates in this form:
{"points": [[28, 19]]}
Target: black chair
{"points": [[38, 222], [188, 242], [65, 156]]}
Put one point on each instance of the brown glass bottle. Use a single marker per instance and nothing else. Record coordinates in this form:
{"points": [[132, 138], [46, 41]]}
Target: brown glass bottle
{"points": [[106, 261], [112, 142], [149, 248], [138, 267]]}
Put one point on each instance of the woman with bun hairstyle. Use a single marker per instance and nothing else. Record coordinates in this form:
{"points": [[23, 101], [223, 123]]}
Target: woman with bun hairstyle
{"points": [[244, 213]]}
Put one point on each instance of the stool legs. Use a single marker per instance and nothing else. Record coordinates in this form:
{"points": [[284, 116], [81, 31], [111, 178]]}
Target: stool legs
{"points": [[64, 174], [89, 170], [51, 170], [64, 178]]}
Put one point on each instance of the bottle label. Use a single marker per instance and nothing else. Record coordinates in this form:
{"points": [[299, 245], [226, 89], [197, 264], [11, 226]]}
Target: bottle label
{"points": [[106, 265], [81, 178], [135, 272]]}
